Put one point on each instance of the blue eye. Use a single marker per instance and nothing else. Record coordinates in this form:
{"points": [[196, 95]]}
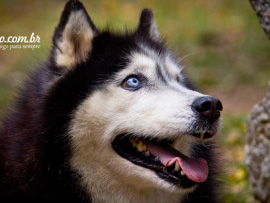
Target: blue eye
{"points": [[131, 83]]}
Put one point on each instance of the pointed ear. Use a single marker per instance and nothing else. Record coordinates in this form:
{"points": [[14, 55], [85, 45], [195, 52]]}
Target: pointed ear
{"points": [[147, 25], [73, 36]]}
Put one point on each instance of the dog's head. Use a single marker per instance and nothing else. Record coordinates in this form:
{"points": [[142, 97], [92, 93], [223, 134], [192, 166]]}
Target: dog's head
{"points": [[132, 115]]}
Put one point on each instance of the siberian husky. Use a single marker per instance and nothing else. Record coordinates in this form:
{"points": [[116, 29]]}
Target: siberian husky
{"points": [[110, 117]]}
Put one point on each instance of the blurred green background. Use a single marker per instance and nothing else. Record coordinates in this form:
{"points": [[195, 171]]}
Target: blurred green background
{"points": [[222, 45]]}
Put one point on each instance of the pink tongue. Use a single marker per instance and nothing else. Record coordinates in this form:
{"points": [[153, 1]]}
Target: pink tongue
{"points": [[196, 169]]}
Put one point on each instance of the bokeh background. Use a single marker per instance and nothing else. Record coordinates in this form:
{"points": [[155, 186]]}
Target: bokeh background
{"points": [[223, 48]]}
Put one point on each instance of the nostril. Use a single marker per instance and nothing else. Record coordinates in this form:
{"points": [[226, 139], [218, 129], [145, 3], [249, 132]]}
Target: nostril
{"points": [[219, 106], [207, 106], [203, 106]]}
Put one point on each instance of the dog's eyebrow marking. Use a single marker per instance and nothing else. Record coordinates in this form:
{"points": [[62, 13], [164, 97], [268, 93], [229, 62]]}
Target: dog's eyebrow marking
{"points": [[160, 74], [172, 67]]}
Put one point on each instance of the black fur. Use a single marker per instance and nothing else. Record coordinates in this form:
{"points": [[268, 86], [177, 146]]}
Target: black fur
{"points": [[34, 150]]}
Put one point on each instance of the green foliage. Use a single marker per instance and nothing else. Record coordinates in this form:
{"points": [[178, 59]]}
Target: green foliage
{"points": [[237, 188]]}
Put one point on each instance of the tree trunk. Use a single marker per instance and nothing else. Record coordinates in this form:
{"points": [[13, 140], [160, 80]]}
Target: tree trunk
{"points": [[258, 126], [258, 149], [262, 9]]}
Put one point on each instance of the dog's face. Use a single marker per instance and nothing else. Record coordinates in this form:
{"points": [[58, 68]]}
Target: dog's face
{"points": [[136, 117]]}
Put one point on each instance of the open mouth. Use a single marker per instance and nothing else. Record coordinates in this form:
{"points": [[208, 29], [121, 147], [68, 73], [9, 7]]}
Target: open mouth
{"points": [[159, 156]]}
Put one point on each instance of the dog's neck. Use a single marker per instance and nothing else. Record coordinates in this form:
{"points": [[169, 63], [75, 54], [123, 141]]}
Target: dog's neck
{"points": [[120, 193]]}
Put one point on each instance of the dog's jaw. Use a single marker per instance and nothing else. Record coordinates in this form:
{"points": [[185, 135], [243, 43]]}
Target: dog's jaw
{"points": [[101, 167]]}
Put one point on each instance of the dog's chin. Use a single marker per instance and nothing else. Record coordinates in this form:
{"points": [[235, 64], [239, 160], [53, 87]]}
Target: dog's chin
{"points": [[174, 169]]}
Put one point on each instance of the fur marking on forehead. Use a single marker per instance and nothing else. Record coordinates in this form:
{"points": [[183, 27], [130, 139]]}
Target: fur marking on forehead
{"points": [[141, 60], [165, 67]]}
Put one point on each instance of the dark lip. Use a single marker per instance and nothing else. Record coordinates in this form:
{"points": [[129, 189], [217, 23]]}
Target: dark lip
{"points": [[121, 144], [203, 125]]}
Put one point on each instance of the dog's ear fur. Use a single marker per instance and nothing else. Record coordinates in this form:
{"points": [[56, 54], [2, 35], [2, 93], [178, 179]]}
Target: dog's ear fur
{"points": [[73, 36], [147, 25]]}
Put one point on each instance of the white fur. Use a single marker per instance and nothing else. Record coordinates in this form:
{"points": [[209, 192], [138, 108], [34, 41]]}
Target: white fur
{"points": [[157, 110]]}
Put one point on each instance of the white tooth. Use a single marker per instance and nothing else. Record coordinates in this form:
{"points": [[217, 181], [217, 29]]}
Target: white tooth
{"points": [[182, 173], [157, 157], [141, 147], [176, 166], [202, 135]]}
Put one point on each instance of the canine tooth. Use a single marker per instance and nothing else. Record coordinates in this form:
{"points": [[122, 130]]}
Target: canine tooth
{"points": [[202, 135], [141, 147], [157, 158], [176, 166], [182, 173]]}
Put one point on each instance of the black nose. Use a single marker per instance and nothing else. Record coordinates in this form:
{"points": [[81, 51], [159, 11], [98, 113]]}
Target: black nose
{"points": [[209, 107]]}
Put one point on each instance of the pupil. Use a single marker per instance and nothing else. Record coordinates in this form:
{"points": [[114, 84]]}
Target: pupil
{"points": [[132, 82]]}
